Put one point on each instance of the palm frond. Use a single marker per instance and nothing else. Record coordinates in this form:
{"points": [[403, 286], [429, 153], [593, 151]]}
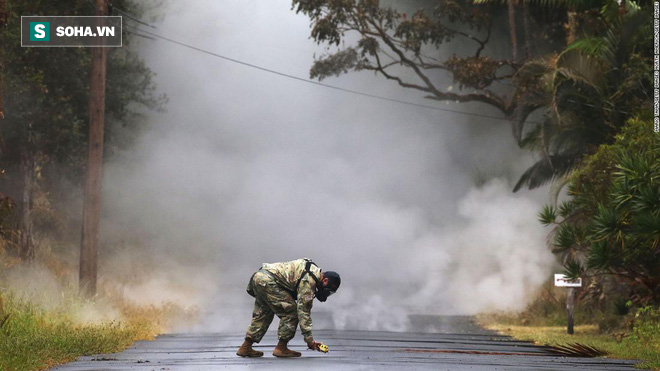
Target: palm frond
{"points": [[647, 226], [566, 237], [573, 269], [601, 256], [545, 170], [621, 193], [607, 223], [580, 69], [647, 199], [633, 171], [577, 350], [566, 209], [547, 215], [596, 47]]}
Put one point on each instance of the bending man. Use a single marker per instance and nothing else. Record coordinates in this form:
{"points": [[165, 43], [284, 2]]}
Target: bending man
{"points": [[287, 290]]}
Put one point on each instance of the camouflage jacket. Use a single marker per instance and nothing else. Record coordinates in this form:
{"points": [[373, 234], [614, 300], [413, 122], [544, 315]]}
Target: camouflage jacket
{"points": [[287, 275]]}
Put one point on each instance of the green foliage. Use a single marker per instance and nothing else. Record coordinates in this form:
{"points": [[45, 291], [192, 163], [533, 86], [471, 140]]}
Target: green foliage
{"points": [[547, 215], [473, 72], [384, 40], [614, 328], [587, 92], [621, 220], [622, 306], [573, 4], [647, 225], [33, 339], [565, 238], [647, 325], [573, 269], [601, 256], [565, 209], [336, 64], [46, 108], [593, 46], [595, 96], [647, 199], [607, 223]]}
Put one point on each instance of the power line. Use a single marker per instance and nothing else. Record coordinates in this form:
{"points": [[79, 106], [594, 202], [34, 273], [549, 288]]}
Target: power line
{"points": [[319, 83], [131, 17], [332, 86], [135, 32], [112, 8], [135, 19]]}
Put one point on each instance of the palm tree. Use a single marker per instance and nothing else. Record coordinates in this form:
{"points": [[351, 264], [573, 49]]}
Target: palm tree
{"points": [[611, 223], [586, 93]]}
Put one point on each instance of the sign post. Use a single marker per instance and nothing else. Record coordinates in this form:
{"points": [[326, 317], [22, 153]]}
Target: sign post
{"points": [[562, 281]]}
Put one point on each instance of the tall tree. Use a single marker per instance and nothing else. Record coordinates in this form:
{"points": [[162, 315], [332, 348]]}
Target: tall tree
{"points": [[512, 29], [587, 92], [46, 110], [545, 86], [391, 42], [610, 222]]}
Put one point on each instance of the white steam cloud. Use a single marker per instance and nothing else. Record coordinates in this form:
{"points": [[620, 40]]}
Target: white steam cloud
{"points": [[412, 207]]}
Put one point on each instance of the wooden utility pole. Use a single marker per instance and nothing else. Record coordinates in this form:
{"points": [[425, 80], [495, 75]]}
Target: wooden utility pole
{"points": [[94, 176]]}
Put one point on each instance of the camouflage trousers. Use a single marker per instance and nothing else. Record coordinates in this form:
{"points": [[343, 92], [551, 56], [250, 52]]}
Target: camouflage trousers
{"points": [[270, 300]]}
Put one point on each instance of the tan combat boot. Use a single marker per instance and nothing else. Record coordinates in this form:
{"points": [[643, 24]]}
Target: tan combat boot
{"points": [[281, 350], [246, 349]]}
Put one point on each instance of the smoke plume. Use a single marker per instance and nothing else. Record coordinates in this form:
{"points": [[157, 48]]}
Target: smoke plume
{"points": [[412, 206]]}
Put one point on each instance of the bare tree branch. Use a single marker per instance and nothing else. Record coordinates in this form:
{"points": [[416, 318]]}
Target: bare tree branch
{"points": [[486, 97], [381, 69]]}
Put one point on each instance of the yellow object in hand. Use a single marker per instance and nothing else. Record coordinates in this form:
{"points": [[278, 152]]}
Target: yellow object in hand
{"points": [[323, 348]]}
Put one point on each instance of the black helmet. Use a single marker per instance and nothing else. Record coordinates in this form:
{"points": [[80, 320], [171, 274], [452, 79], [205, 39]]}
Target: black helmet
{"points": [[334, 281]]}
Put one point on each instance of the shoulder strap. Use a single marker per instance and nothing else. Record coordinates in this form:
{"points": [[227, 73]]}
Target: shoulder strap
{"points": [[308, 264]]}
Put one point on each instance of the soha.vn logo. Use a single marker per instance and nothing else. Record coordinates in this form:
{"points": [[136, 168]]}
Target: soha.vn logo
{"points": [[39, 31]]}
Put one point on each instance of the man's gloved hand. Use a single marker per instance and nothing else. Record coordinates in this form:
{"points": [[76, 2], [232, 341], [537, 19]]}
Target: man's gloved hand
{"points": [[313, 345]]}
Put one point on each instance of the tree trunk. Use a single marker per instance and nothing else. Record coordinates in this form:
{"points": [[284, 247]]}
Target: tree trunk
{"points": [[528, 33], [512, 30], [94, 177], [3, 25], [24, 227], [571, 26]]}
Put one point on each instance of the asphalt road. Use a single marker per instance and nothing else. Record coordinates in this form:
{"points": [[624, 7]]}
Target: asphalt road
{"points": [[435, 343]]}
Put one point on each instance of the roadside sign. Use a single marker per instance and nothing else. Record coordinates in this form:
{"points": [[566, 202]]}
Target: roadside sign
{"points": [[562, 281]]}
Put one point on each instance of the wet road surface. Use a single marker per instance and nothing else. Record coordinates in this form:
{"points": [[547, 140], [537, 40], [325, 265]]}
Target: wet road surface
{"points": [[436, 343]]}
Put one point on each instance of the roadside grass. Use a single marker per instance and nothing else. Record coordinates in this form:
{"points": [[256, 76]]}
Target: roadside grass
{"points": [[642, 343], [33, 338], [44, 321]]}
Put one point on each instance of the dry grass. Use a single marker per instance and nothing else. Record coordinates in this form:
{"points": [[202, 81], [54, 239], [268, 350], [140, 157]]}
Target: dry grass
{"points": [[626, 346], [32, 338], [50, 323]]}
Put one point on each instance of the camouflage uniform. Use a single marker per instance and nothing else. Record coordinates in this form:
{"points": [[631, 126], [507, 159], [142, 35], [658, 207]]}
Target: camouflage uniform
{"points": [[271, 287]]}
